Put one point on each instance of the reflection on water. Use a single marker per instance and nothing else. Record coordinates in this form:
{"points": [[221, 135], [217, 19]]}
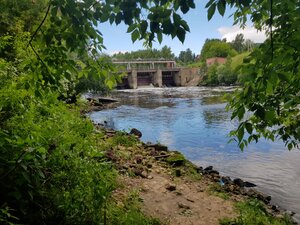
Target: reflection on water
{"points": [[194, 121]]}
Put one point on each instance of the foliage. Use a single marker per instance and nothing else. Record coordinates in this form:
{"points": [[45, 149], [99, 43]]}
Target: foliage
{"points": [[216, 48], [253, 212], [186, 57], [220, 74], [238, 43], [268, 105], [128, 212], [164, 53], [98, 82]]}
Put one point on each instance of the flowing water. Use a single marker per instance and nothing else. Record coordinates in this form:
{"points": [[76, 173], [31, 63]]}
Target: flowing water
{"points": [[195, 122]]}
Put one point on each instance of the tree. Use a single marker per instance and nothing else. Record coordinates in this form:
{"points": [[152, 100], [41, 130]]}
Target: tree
{"points": [[268, 105], [216, 48], [238, 43], [186, 56], [164, 53]]}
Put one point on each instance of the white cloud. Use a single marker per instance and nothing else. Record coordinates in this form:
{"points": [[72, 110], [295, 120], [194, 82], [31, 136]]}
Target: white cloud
{"points": [[249, 33], [116, 52]]}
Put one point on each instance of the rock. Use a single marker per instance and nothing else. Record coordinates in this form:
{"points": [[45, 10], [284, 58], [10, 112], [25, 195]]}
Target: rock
{"points": [[249, 184], [226, 180], [275, 208], [144, 174], [213, 172], [136, 132], [176, 159], [138, 159], [199, 169], [158, 147], [171, 187], [149, 165], [190, 200], [208, 168], [183, 206], [239, 182]]}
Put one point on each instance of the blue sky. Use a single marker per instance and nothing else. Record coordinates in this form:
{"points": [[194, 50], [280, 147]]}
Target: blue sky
{"points": [[116, 39]]}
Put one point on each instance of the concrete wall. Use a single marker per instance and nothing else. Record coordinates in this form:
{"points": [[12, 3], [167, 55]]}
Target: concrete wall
{"points": [[157, 78], [188, 77], [132, 79]]}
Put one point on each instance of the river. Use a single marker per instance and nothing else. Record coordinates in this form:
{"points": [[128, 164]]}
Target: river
{"points": [[194, 121]]}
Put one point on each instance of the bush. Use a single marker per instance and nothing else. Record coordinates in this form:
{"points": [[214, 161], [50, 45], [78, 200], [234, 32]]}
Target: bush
{"points": [[47, 161]]}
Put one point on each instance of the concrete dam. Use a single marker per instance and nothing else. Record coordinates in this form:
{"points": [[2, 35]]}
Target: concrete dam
{"points": [[157, 73]]}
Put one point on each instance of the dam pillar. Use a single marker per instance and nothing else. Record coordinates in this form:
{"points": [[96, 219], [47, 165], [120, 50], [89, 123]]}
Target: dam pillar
{"points": [[157, 78], [132, 79]]}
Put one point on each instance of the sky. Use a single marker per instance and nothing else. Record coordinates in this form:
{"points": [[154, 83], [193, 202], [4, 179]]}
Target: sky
{"points": [[117, 40]]}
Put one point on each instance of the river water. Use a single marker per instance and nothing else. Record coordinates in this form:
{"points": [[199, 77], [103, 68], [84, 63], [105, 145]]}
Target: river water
{"points": [[195, 122]]}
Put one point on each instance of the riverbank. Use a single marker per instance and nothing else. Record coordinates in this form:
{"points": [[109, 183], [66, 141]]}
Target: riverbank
{"points": [[172, 189]]}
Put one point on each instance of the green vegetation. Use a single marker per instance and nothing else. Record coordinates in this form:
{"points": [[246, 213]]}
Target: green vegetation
{"points": [[217, 190], [53, 165], [237, 60], [164, 53], [216, 48], [186, 57], [253, 212], [127, 212]]}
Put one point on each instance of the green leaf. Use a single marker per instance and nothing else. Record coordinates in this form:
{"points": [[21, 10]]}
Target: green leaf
{"points": [[249, 128], [221, 7], [240, 133], [185, 25], [167, 27], [211, 11], [131, 28], [181, 34], [135, 35], [159, 37], [144, 26]]}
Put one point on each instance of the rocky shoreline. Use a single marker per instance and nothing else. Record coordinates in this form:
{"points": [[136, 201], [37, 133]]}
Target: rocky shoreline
{"points": [[142, 163]]}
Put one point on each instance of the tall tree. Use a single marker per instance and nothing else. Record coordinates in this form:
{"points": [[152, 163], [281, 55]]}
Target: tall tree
{"points": [[238, 43], [186, 56]]}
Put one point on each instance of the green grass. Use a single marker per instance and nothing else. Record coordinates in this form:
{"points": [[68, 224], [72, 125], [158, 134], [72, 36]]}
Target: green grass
{"points": [[238, 59], [216, 189], [129, 212], [252, 212]]}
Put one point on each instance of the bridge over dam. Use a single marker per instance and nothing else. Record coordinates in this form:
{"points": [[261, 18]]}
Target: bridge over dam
{"points": [[158, 73]]}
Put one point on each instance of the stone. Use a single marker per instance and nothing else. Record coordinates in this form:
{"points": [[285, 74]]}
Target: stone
{"points": [[176, 159], [199, 169], [239, 182], [249, 184], [136, 132], [144, 174], [208, 168], [171, 187], [226, 180], [158, 147], [183, 206], [138, 159]]}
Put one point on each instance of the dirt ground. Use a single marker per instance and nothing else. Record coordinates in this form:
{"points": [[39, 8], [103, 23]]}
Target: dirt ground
{"points": [[178, 200]]}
